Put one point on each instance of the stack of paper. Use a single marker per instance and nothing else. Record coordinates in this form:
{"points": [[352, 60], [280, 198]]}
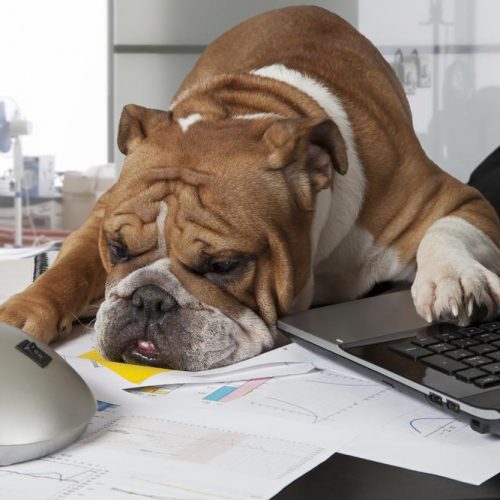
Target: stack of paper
{"points": [[243, 431]]}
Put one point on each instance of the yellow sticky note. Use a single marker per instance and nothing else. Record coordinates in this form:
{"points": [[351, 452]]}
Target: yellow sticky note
{"points": [[133, 373]]}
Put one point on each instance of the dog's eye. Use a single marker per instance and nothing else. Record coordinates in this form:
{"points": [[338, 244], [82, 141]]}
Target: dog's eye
{"points": [[117, 252], [223, 266]]}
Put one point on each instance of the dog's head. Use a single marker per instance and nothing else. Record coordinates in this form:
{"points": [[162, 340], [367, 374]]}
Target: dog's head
{"points": [[206, 235]]}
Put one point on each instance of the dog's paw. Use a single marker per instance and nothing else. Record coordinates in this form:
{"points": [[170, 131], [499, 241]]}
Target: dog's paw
{"points": [[35, 315], [457, 293]]}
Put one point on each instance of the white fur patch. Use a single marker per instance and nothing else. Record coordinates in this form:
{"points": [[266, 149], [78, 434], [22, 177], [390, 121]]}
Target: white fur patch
{"points": [[160, 223], [347, 199], [354, 267], [457, 267], [127, 286], [187, 121], [336, 213]]}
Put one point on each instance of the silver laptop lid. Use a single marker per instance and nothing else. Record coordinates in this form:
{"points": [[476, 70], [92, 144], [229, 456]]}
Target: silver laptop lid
{"points": [[359, 320]]}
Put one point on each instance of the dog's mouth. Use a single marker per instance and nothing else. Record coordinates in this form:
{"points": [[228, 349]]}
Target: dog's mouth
{"points": [[142, 352], [192, 336]]}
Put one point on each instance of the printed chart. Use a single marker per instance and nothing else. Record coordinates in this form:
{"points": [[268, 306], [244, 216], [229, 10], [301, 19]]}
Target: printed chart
{"points": [[55, 477], [435, 426], [126, 455], [194, 393], [154, 391], [323, 397], [320, 398], [227, 393], [427, 424], [226, 451]]}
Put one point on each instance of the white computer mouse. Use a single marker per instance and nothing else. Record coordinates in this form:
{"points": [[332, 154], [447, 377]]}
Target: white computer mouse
{"points": [[44, 404]]}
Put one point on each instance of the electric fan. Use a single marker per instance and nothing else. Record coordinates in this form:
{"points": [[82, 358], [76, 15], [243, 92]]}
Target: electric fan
{"points": [[10, 132]]}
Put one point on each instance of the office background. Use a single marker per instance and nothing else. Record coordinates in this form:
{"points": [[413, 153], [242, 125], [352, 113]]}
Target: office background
{"points": [[72, 65], [456, 111]]}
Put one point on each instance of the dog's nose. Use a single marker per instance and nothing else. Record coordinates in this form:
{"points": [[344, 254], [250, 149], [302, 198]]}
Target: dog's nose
{"points": [[152, 302]]}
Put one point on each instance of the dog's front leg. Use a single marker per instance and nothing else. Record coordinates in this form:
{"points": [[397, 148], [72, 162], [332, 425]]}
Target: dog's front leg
{"points": [[457, 273], [49, 306]]}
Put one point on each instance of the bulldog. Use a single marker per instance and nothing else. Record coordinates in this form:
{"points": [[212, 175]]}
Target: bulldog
{"points": [[285, 174]]}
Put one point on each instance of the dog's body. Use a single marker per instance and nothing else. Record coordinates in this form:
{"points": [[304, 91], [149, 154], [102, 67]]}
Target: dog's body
{"points": [[286, 174]]}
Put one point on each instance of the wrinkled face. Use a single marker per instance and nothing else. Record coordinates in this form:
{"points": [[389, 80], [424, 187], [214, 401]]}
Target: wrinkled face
{"points": [[204, 244]]}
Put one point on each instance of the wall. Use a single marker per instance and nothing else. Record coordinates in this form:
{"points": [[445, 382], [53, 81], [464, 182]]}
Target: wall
{"points": [[457, 116], [157, 42]]}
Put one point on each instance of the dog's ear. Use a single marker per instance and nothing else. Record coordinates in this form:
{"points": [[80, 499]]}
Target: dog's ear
{"points": [[307, 150], [314, 142], [137, 123]]}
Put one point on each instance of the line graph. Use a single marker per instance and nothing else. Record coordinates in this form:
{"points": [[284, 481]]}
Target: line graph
{"points": [[56, 475], [324, 397], [427, 426], [50, 477]]}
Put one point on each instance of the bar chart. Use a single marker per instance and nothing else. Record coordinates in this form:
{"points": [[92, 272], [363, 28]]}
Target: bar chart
{"points": [[227, 393]]}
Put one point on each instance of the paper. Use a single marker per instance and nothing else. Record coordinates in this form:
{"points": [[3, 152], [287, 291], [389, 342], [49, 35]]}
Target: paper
{"points": [[137, 452], [390, 427], [25, 252], [384, 423], [82, 355], [427, 440], [243, 431], [324, 399]]}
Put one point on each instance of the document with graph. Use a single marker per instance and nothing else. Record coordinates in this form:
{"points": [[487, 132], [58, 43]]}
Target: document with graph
{"points": [[386, 423], [151, 451], [246, 434]]}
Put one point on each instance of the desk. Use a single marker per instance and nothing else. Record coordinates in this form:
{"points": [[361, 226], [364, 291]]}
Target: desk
{"points": [[341, 477], [348, 478]]}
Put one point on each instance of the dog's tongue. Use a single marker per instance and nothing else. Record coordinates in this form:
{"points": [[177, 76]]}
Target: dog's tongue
{"points": [[146, 347]]}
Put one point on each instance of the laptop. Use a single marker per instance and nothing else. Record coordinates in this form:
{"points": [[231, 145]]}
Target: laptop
{"points": [[456, 369]]}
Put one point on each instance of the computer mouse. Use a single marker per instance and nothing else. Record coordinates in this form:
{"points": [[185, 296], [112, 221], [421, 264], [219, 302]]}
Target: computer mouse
{"points": [[44, 404]]}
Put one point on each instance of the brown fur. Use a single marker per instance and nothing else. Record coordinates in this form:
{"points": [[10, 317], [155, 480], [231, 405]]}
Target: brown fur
{"points": [[263, 169]]}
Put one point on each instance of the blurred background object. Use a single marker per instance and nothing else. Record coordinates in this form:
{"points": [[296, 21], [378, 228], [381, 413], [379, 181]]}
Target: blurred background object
{"points": [[81, 190], [11, 130]]}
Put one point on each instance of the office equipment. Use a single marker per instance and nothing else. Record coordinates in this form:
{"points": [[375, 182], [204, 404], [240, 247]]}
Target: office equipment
{"points": [[46, 405], [454, 369], [10, 133], [39, 176]]}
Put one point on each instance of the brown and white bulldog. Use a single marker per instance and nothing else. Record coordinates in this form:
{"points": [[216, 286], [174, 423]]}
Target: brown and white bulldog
{"points": [[285, 174]]}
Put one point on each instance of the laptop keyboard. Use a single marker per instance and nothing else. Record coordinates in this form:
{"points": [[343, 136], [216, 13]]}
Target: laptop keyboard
{"points": [[471, 353]]}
